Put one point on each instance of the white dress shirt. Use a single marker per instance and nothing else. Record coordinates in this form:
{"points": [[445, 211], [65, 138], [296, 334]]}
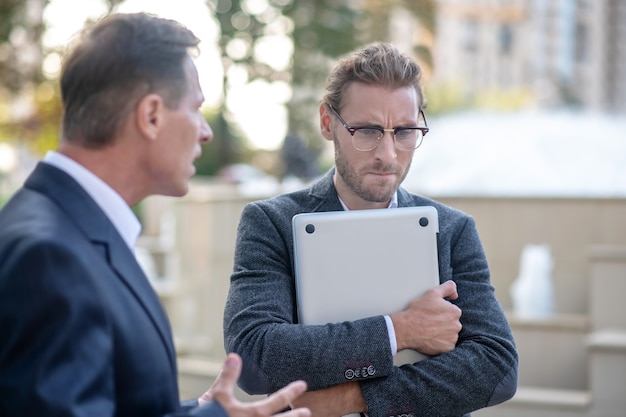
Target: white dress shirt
{"points": [[113, 205]]}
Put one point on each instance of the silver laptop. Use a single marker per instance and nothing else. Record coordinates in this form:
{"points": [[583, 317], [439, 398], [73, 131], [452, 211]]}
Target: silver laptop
{"points": [[361, 263]]}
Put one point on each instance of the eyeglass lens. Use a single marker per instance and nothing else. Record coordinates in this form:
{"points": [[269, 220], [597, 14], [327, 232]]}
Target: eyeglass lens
{"points": [[366, 139]]}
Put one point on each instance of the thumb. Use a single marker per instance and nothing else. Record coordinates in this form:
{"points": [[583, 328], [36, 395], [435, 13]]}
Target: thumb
{"points": [[448, 290], [226, 380], [228, 376]]}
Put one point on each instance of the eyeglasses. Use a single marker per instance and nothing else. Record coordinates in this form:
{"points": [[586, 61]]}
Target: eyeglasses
{"points": [[367, 138]]}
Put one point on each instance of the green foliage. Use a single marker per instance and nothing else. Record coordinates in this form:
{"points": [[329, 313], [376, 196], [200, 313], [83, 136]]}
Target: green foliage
{"points": [[327, 26], [241, 29], [425, 11], [9, 11], [15, 73], [227, 146], [23, 80], [424, 55], [40, 131], [323, 30]]}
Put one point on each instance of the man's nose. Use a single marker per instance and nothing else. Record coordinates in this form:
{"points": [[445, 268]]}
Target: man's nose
{"points": [[206, 133], [386, 149]]}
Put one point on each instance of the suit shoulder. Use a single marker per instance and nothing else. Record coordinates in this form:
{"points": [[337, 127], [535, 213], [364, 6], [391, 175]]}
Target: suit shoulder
{"points": [[31, 214], [29, 221], [445, 211], [287, 204]]}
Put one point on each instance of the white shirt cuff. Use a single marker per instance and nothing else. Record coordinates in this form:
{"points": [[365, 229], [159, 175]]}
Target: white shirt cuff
{"points": [[392, 336]]}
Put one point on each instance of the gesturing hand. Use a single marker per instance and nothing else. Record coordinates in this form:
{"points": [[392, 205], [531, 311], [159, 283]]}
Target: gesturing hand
{"points": [[430, 324], [222, 391]]}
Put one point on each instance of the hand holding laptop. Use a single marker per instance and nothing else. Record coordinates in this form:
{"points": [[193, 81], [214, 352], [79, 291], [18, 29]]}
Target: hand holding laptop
{"points": [[430, 324]]}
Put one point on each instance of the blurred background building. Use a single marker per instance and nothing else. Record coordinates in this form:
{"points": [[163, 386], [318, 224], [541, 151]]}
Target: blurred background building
{"points": [[565, 52]]}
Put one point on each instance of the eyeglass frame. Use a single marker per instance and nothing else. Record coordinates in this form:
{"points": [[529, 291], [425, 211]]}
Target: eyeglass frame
{"points": [[352, 130]]}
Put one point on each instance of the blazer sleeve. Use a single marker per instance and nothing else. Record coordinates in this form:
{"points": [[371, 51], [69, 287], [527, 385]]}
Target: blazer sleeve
{"points": [[55, 354], [191, 408]]}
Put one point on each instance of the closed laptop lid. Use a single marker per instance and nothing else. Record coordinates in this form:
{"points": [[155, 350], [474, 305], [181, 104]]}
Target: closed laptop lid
{"points": [[361, 263]]}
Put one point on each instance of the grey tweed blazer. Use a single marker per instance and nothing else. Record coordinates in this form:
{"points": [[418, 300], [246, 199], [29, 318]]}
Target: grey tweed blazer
{"points": [[260, 320]]}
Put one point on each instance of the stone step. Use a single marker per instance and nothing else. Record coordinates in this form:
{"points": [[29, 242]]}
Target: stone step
{"points": [[607, 340]]}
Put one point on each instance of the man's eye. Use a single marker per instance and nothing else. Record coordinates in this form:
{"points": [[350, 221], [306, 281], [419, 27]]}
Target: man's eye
{"points": [[405, 133], [369, 132]]}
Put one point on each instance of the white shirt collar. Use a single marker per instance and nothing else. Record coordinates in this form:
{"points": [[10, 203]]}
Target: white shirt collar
{"points": [[392, 204], [113, 205]]}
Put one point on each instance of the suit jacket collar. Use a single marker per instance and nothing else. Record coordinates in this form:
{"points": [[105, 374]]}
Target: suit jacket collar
{"points": [[325, 193], [98, 229], [404, 198]]}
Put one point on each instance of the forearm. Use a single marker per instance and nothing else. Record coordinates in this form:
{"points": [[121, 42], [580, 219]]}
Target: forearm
{"points": [[472, 376], [339, 400], [323, 356]]}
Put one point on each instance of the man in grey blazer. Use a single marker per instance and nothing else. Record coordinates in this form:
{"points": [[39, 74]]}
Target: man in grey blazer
{"points": [[372, 112], [82, 332]]}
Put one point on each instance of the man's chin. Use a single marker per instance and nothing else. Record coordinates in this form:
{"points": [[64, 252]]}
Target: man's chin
{"points": [[177, 190], [378, 194]]}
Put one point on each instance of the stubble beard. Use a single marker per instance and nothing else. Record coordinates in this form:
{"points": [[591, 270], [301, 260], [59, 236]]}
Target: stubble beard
{"points": [[355, 182]]}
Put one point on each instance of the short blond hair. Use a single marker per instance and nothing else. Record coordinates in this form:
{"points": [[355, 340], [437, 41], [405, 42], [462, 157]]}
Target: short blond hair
{"points": [[380, 64]]}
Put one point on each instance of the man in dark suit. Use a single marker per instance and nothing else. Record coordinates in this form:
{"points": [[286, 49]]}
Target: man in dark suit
{"points": [[82, 333], [372, 112]]}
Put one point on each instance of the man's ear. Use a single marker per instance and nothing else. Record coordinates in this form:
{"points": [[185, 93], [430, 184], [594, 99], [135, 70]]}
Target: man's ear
{"points": [[149, 115], [326, 126]]}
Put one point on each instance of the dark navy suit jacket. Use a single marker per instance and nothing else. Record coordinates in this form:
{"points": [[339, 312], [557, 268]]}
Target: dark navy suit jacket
{"points": [[82, 333]]}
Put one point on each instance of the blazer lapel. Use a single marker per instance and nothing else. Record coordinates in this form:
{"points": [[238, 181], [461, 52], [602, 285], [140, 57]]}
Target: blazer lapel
{"points": [[125, 265], [403, 198], [324, 192], [98, 229]]}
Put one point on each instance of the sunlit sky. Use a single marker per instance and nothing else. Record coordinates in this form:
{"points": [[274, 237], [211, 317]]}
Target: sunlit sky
{"points": [[258, 107]]}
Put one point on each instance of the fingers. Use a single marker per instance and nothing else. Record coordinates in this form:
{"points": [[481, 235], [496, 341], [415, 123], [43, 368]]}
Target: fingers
{"points": [[283, 398], [205, 398], [222, 391], [447, 290], [291, 391], [297, 412], [227, 378]]}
